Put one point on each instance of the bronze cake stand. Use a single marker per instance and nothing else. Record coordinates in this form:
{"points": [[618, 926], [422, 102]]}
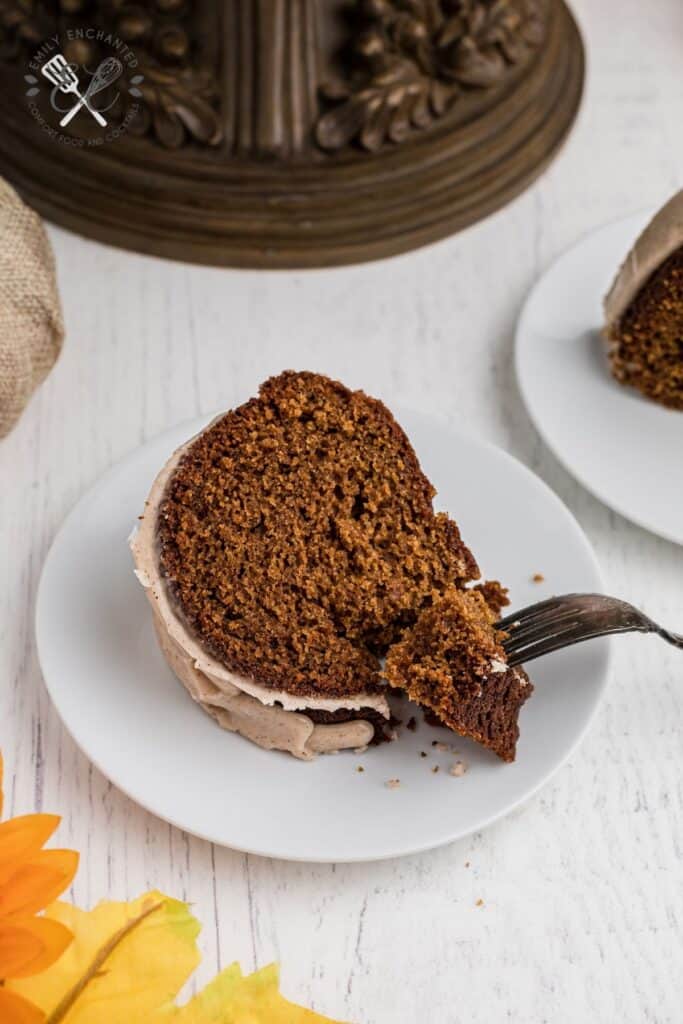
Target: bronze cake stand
{"points": [[288, 133]]}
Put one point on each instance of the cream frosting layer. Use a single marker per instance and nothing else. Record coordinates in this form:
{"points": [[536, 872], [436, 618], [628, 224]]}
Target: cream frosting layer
{"points": [[238, 703], [660, 239]]}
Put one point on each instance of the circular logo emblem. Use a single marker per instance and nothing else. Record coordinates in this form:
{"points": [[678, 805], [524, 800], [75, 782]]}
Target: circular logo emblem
{"points": [[78, 100]]}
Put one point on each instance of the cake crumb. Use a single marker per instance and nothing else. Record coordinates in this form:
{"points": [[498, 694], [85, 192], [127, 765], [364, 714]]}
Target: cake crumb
{"points": [[435, 768], [360, 768], [443, 748], [412, 723], [360, 750], [392, 783], [479, 903], [458, 768], [467, 863], [423, 753], [538, 577]]}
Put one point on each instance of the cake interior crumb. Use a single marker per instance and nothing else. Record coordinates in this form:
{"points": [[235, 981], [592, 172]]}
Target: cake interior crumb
{"points": [[392, 783], [645, 343]]}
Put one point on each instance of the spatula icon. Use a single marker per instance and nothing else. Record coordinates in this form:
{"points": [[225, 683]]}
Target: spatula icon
{"points": [[61, 74]]}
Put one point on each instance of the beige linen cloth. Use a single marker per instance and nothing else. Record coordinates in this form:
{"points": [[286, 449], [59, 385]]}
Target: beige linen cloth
{"points": [[31, 324]]}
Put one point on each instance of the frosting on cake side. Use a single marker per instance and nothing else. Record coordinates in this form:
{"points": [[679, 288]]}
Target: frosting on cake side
{"points": [[662, 237], [271, 718]]}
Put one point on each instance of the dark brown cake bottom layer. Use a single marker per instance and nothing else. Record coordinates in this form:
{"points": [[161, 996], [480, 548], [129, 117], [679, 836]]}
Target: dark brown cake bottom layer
{"points": [[384, 728]]}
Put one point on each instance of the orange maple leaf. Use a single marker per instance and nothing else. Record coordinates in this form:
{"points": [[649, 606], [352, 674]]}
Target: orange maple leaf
{"points": [[30, 878]]}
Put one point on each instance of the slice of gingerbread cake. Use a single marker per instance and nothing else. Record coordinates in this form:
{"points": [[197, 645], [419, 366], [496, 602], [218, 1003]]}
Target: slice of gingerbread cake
{"points": [[644, 310], [284, 551]]}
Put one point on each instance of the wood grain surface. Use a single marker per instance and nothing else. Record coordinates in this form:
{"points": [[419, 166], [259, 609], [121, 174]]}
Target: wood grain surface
{"points": [[582, 918]]}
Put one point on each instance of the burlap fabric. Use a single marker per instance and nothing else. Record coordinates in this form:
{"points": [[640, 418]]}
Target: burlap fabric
{"points": [[31, 325]]}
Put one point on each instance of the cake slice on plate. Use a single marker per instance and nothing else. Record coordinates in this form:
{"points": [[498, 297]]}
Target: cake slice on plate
{"points": [[644, 310], [284, 551]]}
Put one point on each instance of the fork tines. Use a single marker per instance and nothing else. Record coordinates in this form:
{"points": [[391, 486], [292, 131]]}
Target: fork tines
{"points": [[562, 621]]}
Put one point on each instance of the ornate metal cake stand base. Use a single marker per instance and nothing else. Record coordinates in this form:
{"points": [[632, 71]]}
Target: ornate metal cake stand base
{"points": [[355, 176]]}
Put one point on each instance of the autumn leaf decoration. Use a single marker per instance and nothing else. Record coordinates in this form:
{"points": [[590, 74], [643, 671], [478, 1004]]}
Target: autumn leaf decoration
{"points": [[30, 877], [128, 961], [120, 963]]}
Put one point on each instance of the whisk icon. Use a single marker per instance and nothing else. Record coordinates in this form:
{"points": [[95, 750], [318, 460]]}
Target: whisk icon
{"points": [[60, 73]]}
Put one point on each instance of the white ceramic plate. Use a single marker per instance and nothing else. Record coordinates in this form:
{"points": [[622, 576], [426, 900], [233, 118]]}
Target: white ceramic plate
{"points": [[128, 713], [622, 447]]}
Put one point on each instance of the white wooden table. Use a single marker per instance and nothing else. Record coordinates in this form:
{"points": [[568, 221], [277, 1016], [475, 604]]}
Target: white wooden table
{"points": [[583, 902]]}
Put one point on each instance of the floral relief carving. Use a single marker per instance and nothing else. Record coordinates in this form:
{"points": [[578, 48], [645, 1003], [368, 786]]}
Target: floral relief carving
{"points": [[411, 60]]}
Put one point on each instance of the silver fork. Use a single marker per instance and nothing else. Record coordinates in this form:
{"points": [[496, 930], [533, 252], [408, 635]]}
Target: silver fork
{"points": [[571, 619]]}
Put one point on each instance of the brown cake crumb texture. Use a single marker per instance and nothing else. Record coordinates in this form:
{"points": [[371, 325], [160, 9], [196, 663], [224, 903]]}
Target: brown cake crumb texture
{"points": [[298, 539], [647, 341], [495, 595], [451, 662]]}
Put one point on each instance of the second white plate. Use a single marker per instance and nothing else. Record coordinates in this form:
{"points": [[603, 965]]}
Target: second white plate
{"points": [[622, 447], [126, 710]]}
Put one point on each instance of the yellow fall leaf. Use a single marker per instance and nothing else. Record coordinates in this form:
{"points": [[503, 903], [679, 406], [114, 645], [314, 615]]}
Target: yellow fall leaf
{"points": [[232, 998], [127, 963]]}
